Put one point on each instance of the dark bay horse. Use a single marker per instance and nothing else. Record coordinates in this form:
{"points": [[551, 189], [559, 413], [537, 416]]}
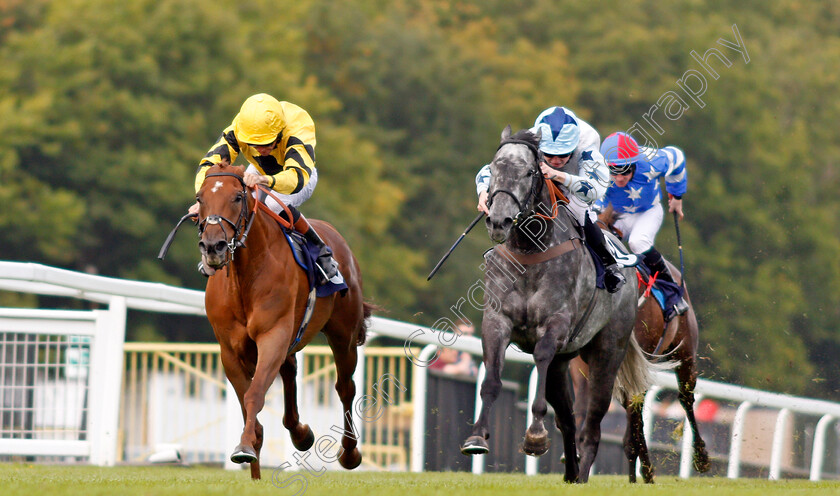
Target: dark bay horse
{"points": [[256, 301], [544, 300], [677, 342]]}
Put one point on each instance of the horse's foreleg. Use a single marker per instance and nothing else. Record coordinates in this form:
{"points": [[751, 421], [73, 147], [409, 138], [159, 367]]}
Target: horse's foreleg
{"points": [[494, 345], [559, 396], [345, 364], [240, 381], [271, 353], [687, 379], [301, 434], [536, 437]]}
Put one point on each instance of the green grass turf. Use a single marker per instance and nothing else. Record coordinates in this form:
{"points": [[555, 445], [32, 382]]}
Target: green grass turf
{"points": [[50, 480]]}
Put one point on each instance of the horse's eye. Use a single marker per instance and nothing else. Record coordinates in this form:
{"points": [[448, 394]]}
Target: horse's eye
{"points": [[198, 199], [238, 198]]}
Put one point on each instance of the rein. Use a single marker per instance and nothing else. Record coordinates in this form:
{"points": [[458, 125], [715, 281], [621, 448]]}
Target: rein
{"points": [[238, 239], [259, 204]]}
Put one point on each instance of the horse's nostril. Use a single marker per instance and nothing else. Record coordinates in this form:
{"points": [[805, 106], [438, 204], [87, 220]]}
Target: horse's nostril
{"points": [[505, 224], [202, 248], [221, 246]]}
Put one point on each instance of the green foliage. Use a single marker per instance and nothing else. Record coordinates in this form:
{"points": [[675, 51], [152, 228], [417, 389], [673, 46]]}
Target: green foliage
{"points": [[107, 106]]}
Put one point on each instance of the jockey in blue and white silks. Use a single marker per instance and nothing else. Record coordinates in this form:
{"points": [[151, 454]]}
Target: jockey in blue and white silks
{"points": [[572, 159], [635, 194]]}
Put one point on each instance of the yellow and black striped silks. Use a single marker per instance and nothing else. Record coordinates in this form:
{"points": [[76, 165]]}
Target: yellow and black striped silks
{"points": [[290, 163]]}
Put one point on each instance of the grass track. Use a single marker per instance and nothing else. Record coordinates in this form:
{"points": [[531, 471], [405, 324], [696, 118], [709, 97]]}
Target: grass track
{"points": [[46, 480]]}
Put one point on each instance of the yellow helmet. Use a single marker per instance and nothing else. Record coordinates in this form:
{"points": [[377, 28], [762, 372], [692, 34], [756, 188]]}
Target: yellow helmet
{"points": [[260, 120]]}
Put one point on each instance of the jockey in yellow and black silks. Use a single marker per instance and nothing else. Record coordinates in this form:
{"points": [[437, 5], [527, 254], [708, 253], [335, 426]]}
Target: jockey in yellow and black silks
{"points": [[278, 141]]}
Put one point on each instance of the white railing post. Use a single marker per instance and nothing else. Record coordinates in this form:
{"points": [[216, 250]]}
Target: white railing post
{"points": [[778, 444], [734, 469], [233, 425], [818, 455], [113, 381], [103, 405], [532, 463], [418, 420], [478, 460], [359, 381]]}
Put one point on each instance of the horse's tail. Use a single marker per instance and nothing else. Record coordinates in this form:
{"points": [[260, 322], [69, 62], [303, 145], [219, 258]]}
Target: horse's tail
{"points": [[634, 376], [367, 310]]}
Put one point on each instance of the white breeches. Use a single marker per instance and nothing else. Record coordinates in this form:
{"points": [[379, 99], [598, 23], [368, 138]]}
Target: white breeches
{"points": [[293, 200], [640, 229]]}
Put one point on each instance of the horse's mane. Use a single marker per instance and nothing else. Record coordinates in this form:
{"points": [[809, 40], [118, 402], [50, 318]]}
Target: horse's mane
{"points": [[607, 219], [526, 135], [224, 166]]}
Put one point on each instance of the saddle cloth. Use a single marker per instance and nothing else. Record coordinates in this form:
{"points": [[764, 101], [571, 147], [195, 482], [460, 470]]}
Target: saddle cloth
{"points": [[665, 293], [622, 257], [306, 255]]}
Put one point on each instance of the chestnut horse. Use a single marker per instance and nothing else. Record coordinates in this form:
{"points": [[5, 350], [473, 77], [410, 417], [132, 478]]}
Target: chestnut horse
{"points": [[256, 301], [677, 342]]}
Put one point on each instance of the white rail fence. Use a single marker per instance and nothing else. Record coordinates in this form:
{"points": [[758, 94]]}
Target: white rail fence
{"points": [[54, 365], [46, 385]]}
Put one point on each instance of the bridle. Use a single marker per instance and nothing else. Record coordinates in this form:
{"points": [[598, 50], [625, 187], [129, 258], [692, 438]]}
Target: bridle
{"points": [[239, 234], [526, 211]]}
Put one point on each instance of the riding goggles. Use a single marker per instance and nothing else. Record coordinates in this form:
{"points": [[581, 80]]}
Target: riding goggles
{"points": [[549, 156], [621, 170]]}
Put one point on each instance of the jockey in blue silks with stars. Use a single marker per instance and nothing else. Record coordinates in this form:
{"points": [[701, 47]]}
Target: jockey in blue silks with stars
{"points": [[572, 159], [635, 194]]}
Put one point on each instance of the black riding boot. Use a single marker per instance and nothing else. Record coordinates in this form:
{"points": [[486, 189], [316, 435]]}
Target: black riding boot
{"points": [[325, 257], [676, 304], [613, 278]]}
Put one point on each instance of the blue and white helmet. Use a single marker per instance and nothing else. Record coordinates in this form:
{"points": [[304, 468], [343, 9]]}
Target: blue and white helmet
{"points": [[560, 131]]}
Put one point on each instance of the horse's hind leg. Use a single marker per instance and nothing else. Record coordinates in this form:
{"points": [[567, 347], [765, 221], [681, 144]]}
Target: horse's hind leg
{"points": [[301, 434], [345, 356], [559, 395], [604, 360], [635, 445], [687, 379]]}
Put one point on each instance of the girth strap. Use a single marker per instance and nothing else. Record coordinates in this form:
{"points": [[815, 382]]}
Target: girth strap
{"points": [[307, 315], [543, 256]]}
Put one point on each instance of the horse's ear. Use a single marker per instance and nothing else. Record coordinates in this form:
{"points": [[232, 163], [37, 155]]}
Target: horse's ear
{"points": [[506, 132], [538, 134]]}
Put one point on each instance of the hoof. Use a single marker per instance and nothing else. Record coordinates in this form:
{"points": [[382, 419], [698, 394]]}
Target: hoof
{"points": [[475, 445], [243, 454], [701, 462], [647, 473], [306, 442], [535, 445], [350, 460]]}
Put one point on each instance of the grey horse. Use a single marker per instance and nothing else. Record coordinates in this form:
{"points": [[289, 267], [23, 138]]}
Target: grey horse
{"points": [[541, 295]]}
